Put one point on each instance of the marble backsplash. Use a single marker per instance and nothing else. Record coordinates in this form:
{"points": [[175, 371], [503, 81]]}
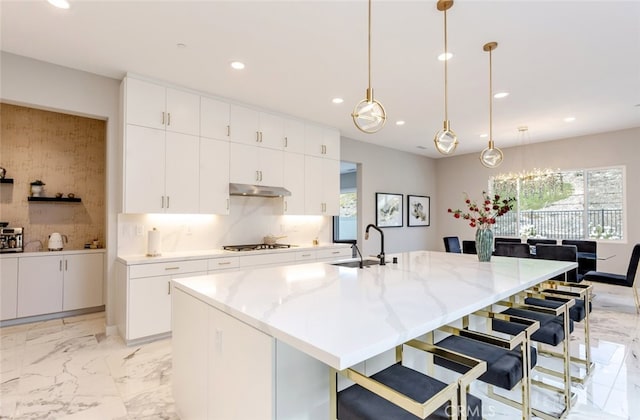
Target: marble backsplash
{"points": [[67, 153]]}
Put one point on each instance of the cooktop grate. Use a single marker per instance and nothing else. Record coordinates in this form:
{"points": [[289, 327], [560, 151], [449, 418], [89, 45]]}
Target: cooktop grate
{"points": [[254, 247]]}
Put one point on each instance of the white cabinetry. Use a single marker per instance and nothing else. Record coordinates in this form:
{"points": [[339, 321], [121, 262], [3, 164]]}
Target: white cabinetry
{"points": [[293, 136], [40, 282], [53, 283], [214, 119], [322, 142], [161, 171], [8, 288], [322, 186], [82, 285], [214, 176], [238, 361], [293, 178], [256, 128], [155, 106], [333, 254], [256, 165], [148, 296]]}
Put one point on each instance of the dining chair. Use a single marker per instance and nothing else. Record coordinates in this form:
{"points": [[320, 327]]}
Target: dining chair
{"points": [[505, 239], [587, 255], [627, 280], [452, 244], [512, 249], [469, 247], [400, 392], [536, 241], [563, 287]]}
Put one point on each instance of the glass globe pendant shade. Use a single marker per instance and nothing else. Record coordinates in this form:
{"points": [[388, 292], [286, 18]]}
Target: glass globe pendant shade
{"points": [[369, 115], [446, 140], [491, 157]]}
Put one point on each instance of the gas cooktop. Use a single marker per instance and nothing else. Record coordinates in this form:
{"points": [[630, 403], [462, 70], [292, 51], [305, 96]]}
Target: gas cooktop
{"points": [[254, 247]]}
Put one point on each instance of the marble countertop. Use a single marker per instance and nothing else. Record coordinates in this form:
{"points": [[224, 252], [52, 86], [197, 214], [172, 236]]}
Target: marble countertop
{"points": [[46, 253], [343, 316], [216, 253]]}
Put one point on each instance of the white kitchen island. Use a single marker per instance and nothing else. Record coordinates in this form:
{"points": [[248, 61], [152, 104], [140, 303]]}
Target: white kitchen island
{"points": [[258, 343]]}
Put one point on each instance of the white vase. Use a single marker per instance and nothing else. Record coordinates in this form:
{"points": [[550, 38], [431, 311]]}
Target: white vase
{"points": [[36, 190]]}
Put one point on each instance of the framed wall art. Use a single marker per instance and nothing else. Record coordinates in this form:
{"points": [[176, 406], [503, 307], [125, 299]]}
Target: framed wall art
{"points": [[389, 210], [418, 210]]}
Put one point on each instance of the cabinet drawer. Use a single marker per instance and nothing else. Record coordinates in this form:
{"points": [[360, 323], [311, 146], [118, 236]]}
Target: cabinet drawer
{"points": [[223, 263], [306, 256], [262, 259], [333, 253], [168, 268]]}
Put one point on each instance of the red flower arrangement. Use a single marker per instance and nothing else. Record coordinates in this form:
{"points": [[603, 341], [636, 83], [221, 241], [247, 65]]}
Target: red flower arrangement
{"points": [[484, 215]]}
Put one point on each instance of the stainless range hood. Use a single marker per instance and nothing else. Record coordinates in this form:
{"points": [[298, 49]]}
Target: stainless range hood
{"points": [[257, 190]]}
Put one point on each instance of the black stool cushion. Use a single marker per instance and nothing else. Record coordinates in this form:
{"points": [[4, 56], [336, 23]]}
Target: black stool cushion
{"points": [[576, 312], [551, 329], [504, 367], [358, 403]]}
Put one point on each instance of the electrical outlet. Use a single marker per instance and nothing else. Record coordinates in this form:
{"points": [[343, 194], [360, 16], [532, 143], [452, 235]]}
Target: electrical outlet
{"points": [[139, 230]]}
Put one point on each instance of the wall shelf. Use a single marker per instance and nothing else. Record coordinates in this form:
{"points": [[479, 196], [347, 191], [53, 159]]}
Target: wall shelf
{"points": [[6, 181], [54, 199]]}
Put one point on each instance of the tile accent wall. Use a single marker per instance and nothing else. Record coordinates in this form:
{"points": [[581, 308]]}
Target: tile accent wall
{"points": [[66, 152]]}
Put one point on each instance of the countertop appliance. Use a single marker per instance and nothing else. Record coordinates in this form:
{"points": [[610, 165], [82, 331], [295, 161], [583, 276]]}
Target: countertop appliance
{"points": [[11, 239], [254, 247], [56, 241]]}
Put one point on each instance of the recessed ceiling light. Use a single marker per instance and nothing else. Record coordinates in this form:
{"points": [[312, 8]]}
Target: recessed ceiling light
{"points": [[501, 95], [569, 119], [337, 100], [400, 122], [445, 56], [484, 135], [238, 65], [60, 4]]}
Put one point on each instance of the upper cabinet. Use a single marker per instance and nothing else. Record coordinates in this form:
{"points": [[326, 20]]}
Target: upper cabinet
{"points": [[155, 106], [322, 142], [214, 119], [256, 128], [293, 135]]}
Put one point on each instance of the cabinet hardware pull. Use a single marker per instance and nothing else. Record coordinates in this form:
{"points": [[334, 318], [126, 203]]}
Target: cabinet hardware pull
{"points": [[286, 142], [257, 136], [285, 205], [162, 117], [324, 149], [168, 287], [66, 265], [224, 263], [162, 202], [306, 255], [172, 268], [335, 252], [168, 201], [228, 131], [169, 118], [60, 265], [257, 176]]}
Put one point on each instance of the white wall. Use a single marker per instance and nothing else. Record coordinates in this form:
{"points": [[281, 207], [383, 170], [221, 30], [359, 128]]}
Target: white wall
{"points": [[24, 81], [464, 173], [391, 171]]}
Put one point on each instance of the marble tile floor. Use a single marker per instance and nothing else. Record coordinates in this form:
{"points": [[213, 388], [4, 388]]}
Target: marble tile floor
{"points": [[69, 369]]}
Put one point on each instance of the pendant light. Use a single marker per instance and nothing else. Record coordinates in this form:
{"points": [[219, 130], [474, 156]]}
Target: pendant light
{"points": [[446, 140], [369, 115], [491, 157]]}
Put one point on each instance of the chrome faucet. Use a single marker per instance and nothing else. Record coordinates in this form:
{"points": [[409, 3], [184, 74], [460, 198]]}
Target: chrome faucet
{"points": [[366, 236]]}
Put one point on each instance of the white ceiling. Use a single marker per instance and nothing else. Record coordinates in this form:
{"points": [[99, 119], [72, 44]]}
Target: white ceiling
{"points": [[556, 58]]}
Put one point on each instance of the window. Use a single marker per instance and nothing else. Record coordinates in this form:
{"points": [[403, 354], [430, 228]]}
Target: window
{"points": [[578, 204]]}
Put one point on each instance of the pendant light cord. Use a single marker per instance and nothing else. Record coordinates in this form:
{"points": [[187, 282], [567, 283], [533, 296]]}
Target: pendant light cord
{"points": [[446, 92], [369, 47], [490, 100]]}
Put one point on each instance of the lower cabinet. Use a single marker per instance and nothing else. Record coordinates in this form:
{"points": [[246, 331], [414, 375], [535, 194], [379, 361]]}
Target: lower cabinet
{"points": [[146, 289], [8, 288], [60, 282], [237, 361]]}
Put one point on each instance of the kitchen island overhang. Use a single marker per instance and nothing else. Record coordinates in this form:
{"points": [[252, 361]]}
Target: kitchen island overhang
{"points": [[338, 316]]}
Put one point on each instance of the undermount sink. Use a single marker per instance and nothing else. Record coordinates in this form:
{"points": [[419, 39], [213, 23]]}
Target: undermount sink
{"points": [[356, 263]]}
